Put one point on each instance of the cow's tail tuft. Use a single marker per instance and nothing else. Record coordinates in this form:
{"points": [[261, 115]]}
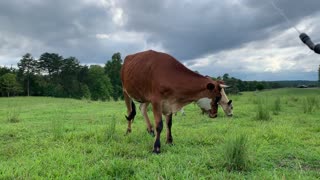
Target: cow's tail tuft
{"points": [[132, 113]]}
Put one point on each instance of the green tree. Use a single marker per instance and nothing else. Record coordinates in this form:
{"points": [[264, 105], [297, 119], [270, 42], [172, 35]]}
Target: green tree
{"points": [[50, 63], [85, 91], [260, 86], [9, 84], [99, 83], [225, 76], [27, 68], [4, 70], [112, 69], [69, 77]]}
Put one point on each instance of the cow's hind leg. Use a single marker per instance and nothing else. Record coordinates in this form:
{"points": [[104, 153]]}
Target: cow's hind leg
{"points": [[169, 124], [131, 110], [157, 112], [143, 108]]}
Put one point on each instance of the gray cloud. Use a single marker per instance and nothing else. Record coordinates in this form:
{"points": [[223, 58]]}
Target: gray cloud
{"points": [[199, 33], [191, 30]]}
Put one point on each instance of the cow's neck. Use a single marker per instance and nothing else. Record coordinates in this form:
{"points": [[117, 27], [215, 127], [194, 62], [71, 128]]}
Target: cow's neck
{"points": [[194, 89]]}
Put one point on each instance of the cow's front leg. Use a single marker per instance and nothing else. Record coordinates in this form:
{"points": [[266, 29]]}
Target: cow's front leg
{"points": [[157, 112], [169, 124]]}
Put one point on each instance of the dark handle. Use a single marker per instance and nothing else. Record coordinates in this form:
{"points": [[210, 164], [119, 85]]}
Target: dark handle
{"points": [[306, 40]]}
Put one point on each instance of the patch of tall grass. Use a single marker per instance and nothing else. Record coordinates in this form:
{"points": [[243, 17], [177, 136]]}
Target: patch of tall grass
{"points": [[110, 133], [13, 116], [262, 110], [276, 108], [236, 156], [310, 104], [57, 129], [58, 124]]}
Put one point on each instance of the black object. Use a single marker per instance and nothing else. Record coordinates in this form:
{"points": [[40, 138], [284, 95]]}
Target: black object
{"points": [[306, 40]]}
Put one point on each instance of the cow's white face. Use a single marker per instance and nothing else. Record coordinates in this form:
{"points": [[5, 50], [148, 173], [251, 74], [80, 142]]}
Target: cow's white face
{"points": [[205, 103], [227, 107], [225, 103]]}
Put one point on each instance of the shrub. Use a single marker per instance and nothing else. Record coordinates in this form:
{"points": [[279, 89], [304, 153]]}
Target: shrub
{"points": [[236, 157]]}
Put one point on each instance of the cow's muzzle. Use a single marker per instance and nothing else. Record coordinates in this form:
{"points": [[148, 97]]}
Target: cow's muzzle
{"points": [[213, 115]]}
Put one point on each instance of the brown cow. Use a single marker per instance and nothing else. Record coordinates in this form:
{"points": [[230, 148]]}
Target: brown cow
{"points": [[158, 78]]}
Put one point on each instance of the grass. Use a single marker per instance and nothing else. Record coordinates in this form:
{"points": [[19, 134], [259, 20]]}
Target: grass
{"points": [[310, 104], [13, 115], [262, 110], [276, 106], [236, 157], [78, 139]]}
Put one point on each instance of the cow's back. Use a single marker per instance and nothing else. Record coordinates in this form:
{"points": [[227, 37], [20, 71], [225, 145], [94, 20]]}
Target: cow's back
{"points": [[147, 73]]}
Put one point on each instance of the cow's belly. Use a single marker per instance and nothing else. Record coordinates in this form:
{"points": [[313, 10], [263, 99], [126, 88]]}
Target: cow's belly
{"points": [[170, 107]]}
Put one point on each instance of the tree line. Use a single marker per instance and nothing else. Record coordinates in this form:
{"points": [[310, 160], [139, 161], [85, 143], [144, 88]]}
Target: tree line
{"points": [[56, 76], [237, 85]]}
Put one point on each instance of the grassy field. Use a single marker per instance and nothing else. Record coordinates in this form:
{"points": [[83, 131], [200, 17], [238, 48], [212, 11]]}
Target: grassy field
{"points": [[273, 135]]}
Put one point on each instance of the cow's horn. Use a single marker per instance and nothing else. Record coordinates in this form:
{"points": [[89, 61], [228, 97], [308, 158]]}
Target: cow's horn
{"points": [[224, 86]]}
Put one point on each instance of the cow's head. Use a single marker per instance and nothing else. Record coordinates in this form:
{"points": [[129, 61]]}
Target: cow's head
{"points": [[209, 105], [225, 103]]}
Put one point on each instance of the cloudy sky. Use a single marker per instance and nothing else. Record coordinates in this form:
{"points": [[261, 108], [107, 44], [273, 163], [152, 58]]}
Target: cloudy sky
{"points": [[248, 39]]}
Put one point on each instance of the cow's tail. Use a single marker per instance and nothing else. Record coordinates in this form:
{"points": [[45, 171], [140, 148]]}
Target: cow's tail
{"points": [[133, 112]]}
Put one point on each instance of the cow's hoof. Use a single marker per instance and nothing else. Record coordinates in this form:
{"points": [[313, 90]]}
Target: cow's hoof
{"points": [[169, 140], [128, 131], [156, 151], [169, 143], [151, 132]]}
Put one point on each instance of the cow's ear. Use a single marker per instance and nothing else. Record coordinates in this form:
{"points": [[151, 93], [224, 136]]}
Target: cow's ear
{"points": [[210, 86]]}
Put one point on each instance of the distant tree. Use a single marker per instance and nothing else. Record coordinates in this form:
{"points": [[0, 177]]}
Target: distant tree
{"points": [[112, 69], [225, 77], [9, 84], [51, 66], [260, 86], [83, 75], [85, 91], [39, 85], [99, 83], [27, 67], [4, 70], [275, 85], [70, 69], [50, 63]]}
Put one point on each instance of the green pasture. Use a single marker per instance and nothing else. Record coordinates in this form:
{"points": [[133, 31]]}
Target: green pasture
{"points": [[276, 134]]}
